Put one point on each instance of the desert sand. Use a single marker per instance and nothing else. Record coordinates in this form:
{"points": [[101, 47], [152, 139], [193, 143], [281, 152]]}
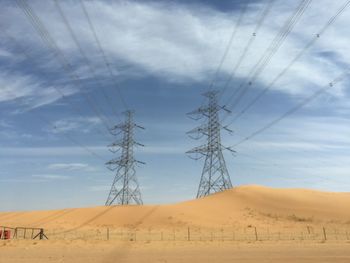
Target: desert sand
{"points": [[244, 224]]}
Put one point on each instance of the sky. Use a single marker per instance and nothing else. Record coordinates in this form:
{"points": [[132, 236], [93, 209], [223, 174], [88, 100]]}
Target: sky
{"points": [[61, 89]]}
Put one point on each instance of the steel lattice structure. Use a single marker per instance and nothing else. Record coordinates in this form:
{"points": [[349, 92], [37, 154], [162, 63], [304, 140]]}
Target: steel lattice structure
{"points": [[125, 189], [215, 176]]}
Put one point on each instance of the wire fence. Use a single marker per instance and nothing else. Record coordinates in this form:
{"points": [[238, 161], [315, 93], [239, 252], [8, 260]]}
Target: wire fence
{"points": [[198, 234], [21, 233]]}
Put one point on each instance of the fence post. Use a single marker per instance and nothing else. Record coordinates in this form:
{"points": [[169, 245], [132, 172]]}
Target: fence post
{"points": [[188, 234], [347, 235], [324, 233], [336, 234], [161, 235], [107, 233], [256, 234]]}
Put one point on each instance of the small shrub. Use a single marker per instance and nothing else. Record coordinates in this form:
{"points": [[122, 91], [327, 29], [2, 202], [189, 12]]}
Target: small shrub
{"points": [[299, 219]]}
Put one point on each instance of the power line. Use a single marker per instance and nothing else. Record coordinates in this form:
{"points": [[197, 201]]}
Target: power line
{"points": [[83, 54], [51, 44], [228, 47], [296, 108], [84, 147], [300, 152], [269, 53], [307, 46], [46, 121], [108, 65], [250, 42], [279, 166], [62, 95]]}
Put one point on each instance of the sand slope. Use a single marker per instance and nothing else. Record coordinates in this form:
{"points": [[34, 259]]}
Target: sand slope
{"points": [[239, 206]]}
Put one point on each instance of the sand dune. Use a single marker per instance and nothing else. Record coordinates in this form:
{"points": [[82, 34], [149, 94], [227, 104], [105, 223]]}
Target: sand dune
{"points": [[240, 206], [258, 224]]}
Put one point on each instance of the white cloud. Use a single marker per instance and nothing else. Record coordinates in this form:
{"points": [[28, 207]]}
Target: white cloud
{"points": [[4, 53], [14, 135], [99, 188], [71, 166], [83, 124], [308, 147], [50, 176], [35, 178], [29, 91], [5, 124], [185, 42], [51, 151], [9, 131], [163, 149], [304, 133]]}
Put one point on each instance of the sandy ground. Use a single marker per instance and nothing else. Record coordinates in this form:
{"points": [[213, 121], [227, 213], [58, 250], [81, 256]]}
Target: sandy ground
{"points": [[106, 252], [244, 224], [240, 206]]}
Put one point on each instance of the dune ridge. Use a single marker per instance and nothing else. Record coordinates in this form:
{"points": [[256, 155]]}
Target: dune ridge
{"points": [[239, 206]]}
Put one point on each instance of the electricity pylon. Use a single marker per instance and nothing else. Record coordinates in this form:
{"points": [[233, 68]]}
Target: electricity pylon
{"points": [[125, 189], [215, 176]]}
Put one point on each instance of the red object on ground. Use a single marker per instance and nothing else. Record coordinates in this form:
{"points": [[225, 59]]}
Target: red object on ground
{"points": [[0, 234], [7, 234]]}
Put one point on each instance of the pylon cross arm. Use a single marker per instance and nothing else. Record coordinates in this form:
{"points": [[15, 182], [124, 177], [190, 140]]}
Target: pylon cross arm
{"points": [[215, 175], [125, 189]]}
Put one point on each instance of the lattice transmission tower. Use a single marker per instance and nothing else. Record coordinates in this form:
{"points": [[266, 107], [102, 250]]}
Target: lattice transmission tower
{"points": [[215, 176], [125, 188]]}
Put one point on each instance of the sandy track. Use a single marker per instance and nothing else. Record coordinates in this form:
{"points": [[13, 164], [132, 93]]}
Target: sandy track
{"points": [[105, 252]]}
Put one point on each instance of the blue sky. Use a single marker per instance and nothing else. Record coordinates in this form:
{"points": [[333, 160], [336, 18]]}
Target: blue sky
{"points": [[164, 54]]}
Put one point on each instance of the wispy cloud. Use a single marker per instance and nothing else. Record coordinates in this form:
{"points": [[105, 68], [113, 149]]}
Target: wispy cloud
{"points": [[83, 124], [28, 91], [5, 124], [35, 178], [9, 131], [190, 50], [180, 45], [4, 53], [50, 177], [99, 188], [50, 151], [323, 134], [71, 166]]}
